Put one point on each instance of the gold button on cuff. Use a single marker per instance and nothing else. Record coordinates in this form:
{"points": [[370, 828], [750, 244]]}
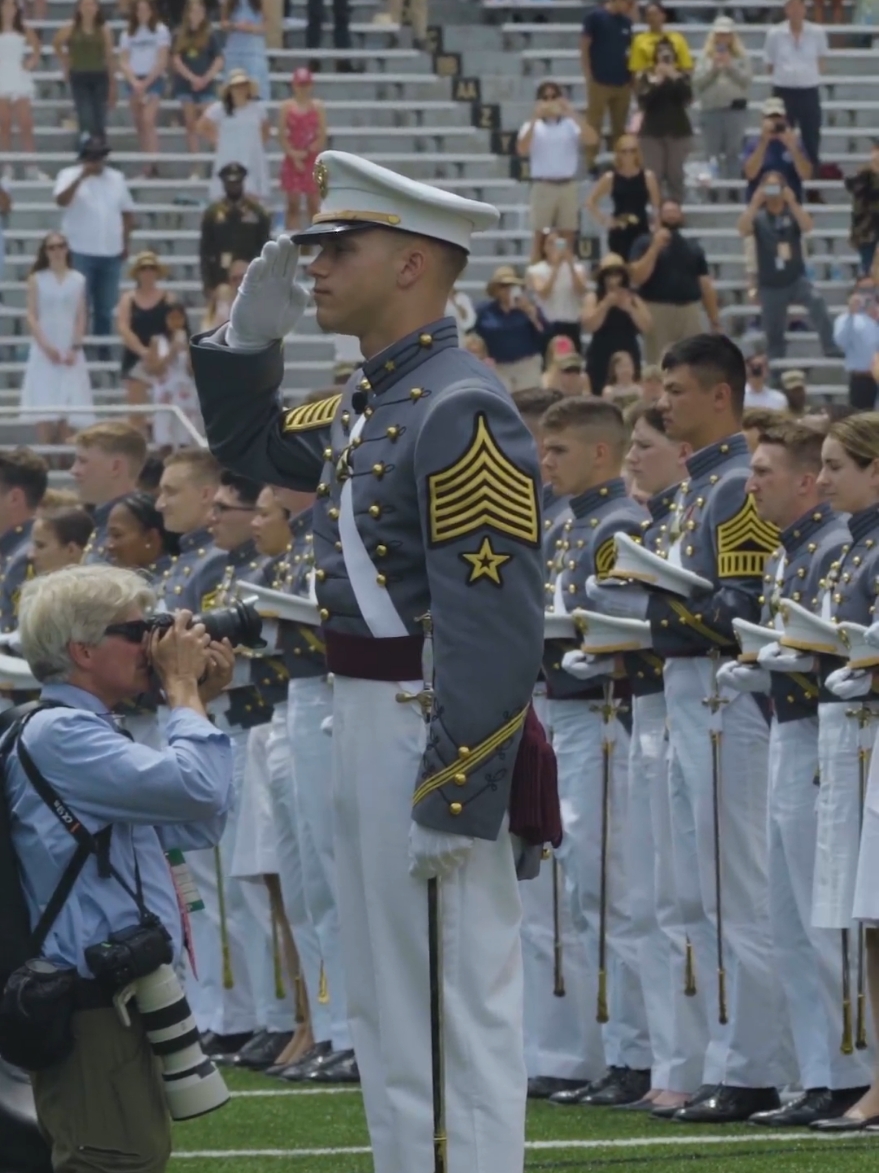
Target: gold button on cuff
{"points": [[320, 575], [455, 808], [328, 454], [460, 779], [375, 511], [324, 614]]}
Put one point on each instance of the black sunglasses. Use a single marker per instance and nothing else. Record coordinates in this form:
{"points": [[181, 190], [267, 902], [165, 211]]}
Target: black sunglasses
{"points": [[132, 631]]}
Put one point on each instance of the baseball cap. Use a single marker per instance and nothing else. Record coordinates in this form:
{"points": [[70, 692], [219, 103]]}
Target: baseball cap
{"points": [[773, 107]]}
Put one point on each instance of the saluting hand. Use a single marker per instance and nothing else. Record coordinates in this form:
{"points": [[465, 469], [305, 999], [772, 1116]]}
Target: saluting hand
{"points": [[270, 302]]}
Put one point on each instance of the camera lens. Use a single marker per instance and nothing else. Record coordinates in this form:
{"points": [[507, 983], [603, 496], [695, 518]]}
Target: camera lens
{"points": [[239, 624]]}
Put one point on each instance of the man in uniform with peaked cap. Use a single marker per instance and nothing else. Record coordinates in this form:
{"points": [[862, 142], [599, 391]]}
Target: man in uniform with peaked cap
{"points": [[427, 501]]}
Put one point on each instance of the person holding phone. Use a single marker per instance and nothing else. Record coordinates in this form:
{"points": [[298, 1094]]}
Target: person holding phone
{"points": [[856, 332], [664, 92], [558, 283], [722, 83], [513, 330]]}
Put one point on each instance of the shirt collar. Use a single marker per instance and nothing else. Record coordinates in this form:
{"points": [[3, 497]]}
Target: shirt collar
{"points": [[101, 513], [710, 458], [12, 538], [659, 505], [198, 537], [863, 522], [246, 552], [403, 357], [75, 697], [592, 499], [806, 527]]}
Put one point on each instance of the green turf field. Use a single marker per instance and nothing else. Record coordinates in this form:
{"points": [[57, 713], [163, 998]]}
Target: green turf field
{"points": [[271, 1127]]}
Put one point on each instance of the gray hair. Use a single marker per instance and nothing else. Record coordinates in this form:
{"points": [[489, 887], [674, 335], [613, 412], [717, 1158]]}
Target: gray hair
{"points": [[74, 605]]}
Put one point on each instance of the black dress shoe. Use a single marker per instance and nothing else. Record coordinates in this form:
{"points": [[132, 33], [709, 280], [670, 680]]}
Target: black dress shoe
{"points": [[338, 1067], [572, 1095], [730, 1105], [294, 1072], [223, 1045], [541, 1087], [847, 1124], [814, 1104], [705, 1092], [625, 1086], [262, 1052]]}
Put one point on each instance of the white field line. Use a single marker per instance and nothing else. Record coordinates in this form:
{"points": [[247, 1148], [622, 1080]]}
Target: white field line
{"points": [[540, 1145], [268, 1093]]}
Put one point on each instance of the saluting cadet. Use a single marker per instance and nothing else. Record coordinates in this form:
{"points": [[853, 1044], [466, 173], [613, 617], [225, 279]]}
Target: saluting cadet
{"points": [[109, 457], [784, 484], [23, 479], [584, 442], [678, 1031], [233, 228], [718, 743], [427, 501]]}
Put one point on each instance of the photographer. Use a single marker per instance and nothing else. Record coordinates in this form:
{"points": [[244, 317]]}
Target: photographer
{"points": [[513, 331], [666, 134], [84, 635], [857, 333], [777, 149]]}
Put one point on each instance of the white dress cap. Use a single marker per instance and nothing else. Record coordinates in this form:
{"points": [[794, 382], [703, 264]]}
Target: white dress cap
{"points": [[634, 561], [860, 653], [277, 605], [752, 637], [805, 632], [602, 635]]}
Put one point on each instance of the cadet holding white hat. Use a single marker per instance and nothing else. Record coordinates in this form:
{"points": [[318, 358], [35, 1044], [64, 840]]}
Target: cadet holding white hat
{"points": [[427, 502]]}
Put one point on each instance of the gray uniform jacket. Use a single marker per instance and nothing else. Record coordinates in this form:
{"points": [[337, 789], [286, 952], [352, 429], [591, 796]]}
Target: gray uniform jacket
{"points": [[191, 579], [15, 569], [301, 646], [250, 704], [723, 539], [96, 547], [644, 669], [587, 548], [853, 581], [446, 500]]}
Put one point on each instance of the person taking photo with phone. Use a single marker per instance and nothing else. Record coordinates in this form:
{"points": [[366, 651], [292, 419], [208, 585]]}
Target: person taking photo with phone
{"points": [[513, 330]]}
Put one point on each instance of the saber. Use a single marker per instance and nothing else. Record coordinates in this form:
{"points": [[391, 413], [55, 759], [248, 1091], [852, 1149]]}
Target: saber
{"points": [[228, 976], [276, 957], [714, 704], [607, 715], [864, 716], [690, 971], [558, 987], [846, 1045]]}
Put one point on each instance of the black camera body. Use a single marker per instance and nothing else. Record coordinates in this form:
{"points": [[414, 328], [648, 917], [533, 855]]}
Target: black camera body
{"points": [[130, 954], [779, 125], [239, 623]]}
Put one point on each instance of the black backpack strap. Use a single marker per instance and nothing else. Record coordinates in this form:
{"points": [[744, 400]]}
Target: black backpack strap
{"points": [[59, 897]]}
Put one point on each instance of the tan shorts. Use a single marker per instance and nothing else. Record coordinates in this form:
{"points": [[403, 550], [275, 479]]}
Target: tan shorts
{"points": [[522, 375], [555, 205]]}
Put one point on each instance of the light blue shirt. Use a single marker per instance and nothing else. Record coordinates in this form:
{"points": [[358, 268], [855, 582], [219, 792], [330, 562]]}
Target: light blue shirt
{"points": [[155, 800], [857, 335]]}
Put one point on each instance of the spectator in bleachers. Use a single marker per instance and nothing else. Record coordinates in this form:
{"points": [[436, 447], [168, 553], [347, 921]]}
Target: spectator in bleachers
{"points": [[644, 45], [632, 190], [136, 534], [666, 133], [670, 271], [141, 315], [417, 15], [302, 135], [856, 332], [19, 56], [143, 62], [795, 51], [778, 223], [197, 61], [605, 44], [237, 127], [512, 330], [59, 537], [218, 308], [565, 370], [476, 346], [245, 49], [5, 209], [97, 221], [173, 384], [864, 188], [722, 83], [558, 283], [615, 317], [651, 383], [233, 228], [460, 307], [341, 29], [777, 149], [56, 390], [622, 385], [793, 384], [757, 393], [84, 47], [551, 141]]}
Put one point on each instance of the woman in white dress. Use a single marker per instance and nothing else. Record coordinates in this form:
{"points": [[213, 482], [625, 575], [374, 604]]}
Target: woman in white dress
{"points": [[237, 127], [56, 374], [19, 55]]}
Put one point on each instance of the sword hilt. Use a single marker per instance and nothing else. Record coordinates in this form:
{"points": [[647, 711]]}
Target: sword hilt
{"points": [[722, 1016], [846, 1045], [601, 1014], [690, 972]]}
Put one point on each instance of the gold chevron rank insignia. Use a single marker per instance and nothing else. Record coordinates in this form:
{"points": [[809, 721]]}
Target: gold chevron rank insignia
{"points": [[605, 558], [744, 543], [309, 416], [483, 488]]}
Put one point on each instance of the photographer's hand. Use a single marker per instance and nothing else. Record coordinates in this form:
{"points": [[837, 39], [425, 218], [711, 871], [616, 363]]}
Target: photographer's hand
{"points": [[179, 657], [219, 670]]}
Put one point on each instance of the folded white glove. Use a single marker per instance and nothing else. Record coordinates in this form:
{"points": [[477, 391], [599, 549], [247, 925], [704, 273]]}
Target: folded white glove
{"points": [[775, 658], [871, 635], [743, 677], [585, 666], [269, 302], [435, 853], [850, 683], [620, 602], [326, 726]]}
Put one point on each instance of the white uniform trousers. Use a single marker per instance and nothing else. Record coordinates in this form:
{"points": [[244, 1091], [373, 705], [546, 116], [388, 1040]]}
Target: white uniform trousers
{"points": [[866, 902], [377, 753], [295, 857], [744, 1053], [577, 738], [807, 959], [678, 1031], [311, 702]]}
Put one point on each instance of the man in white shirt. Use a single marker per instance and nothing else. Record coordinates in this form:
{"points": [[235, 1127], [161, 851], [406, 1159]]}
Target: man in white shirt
{"points": [[97, 221], [551, 142], [795, 51], [757, 394]]}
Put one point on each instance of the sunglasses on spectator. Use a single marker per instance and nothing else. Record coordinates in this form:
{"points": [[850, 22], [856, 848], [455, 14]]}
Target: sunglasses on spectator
{"points": [[628, 150], [132, 631], [550, 95]]}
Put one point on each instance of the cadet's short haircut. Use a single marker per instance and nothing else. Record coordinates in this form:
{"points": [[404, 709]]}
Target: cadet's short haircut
{"points": [[247, 490], [150, 476], [648, 412], [801, 443], [59, 499], [585, 411], [534, 401], [69, 525], [115, 439], [25, 470], [859, 436], [714, 359], [202, 466], [760, 419]]}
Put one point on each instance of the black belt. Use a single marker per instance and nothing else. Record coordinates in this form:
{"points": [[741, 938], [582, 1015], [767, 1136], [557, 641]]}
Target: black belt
{"points": [[90, 995], [537, 179]]}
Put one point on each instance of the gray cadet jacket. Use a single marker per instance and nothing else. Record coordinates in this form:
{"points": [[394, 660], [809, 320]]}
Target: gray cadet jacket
{"points": [[191, 579], [445, 496], [301, 646], [15, 570], [853, 581], [644, 669]]}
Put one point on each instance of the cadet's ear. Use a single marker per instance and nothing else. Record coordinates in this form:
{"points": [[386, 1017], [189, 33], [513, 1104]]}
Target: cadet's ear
{"points": [[411, 265], [722, 393]]}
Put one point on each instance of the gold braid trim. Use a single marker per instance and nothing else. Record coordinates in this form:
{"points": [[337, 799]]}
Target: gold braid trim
{"points": [[473, 759], [687, 617]]}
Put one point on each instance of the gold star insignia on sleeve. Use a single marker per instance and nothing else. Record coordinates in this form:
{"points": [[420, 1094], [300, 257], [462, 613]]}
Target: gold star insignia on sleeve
{"points": [[485, 563]]}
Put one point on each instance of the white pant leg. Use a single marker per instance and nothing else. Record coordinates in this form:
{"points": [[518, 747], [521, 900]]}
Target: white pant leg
{"points": [[290, 869], [578, 735], [311, 702], [807, 959], [748, 1043], [838, 836], [377, 753]]}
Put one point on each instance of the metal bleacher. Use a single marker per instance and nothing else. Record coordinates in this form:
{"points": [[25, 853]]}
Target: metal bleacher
{"points": [[445, 117]]}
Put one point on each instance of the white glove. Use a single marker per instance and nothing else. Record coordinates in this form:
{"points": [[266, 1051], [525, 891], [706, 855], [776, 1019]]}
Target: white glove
{"points": [[850, 683], [326, 726], [775, 658], [584, 666], [435, 853], [620, 602], [269, 303], [871, 635], [743, 677]]}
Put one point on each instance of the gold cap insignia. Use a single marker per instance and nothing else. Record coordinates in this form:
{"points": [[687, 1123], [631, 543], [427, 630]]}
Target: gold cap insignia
{"points": [[322, 179]]}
